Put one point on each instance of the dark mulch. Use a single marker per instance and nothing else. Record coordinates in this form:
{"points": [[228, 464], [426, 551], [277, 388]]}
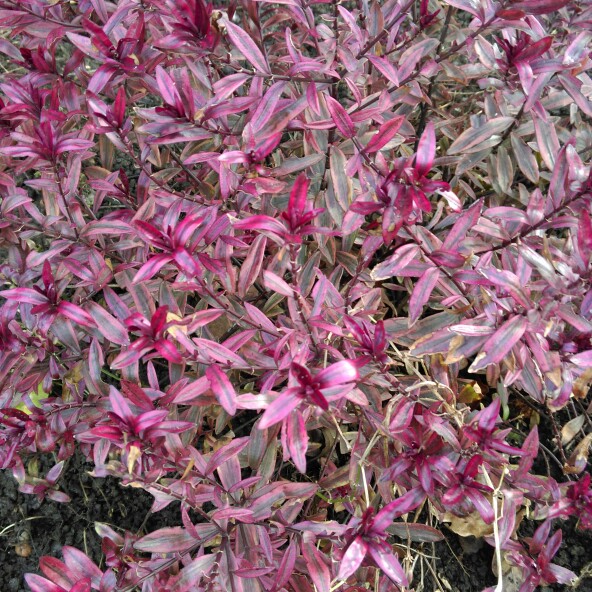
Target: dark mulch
{"points": [[48, 525]]}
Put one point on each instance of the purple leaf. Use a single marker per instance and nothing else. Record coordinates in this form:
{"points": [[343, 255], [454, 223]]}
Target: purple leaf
{"points": [[419, 533], [395, 263], [267, 105], [101, 78], [193, 572], [481, 504], [167, 88], [261, 223], [286, 566], [119, 404], [402, 505], [219, 353], [467, 220], [151, 268]]}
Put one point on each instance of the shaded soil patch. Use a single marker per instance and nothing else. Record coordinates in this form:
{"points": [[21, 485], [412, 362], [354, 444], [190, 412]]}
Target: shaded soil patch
{"points": [[47, 526]]}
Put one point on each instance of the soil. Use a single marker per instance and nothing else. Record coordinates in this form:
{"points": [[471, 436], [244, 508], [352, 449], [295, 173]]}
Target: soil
{"points": [[460, 565], [47, 525]]}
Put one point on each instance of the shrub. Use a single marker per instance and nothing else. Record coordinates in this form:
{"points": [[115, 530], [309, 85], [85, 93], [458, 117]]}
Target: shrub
{"points": [[314, 271]]}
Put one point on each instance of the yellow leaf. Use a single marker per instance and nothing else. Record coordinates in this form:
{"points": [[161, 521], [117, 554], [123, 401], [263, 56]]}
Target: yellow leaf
{"points": [[175, 329], [36, 398], [470, 393]]}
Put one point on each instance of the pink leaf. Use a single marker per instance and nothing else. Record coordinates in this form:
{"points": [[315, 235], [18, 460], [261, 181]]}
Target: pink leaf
{"points": [[261, 223], [80, 565], [422, 292], [168, 351], [463, 224], [167, 540], [189, 392], [525, 158], [276, 411], [167, 88], [275, 283], [128, 357], [39, 584], [267, 105], [119, 404], [151, 267], [547, 140], [222, 388], [402, 505], [338, 373], [298, 196], [27, 295], [219, 353], [341, 118], [540, 6], [279, 120], [476, 139], [395, 263], [101, 77], [82, 585], [426, 150], [286, 566], [317, 569], [192, 573], [243, 42], [352, 559], [389, 563], [500, 343], [297, 440], [56, 570], [583, 359], [252, 265], [75, 313], [385, 134], [108, 325], [481, 504], [226, 453]]}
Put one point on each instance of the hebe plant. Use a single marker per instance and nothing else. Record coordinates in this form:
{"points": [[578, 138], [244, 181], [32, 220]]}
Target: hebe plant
{"points": [[312, 270]]}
